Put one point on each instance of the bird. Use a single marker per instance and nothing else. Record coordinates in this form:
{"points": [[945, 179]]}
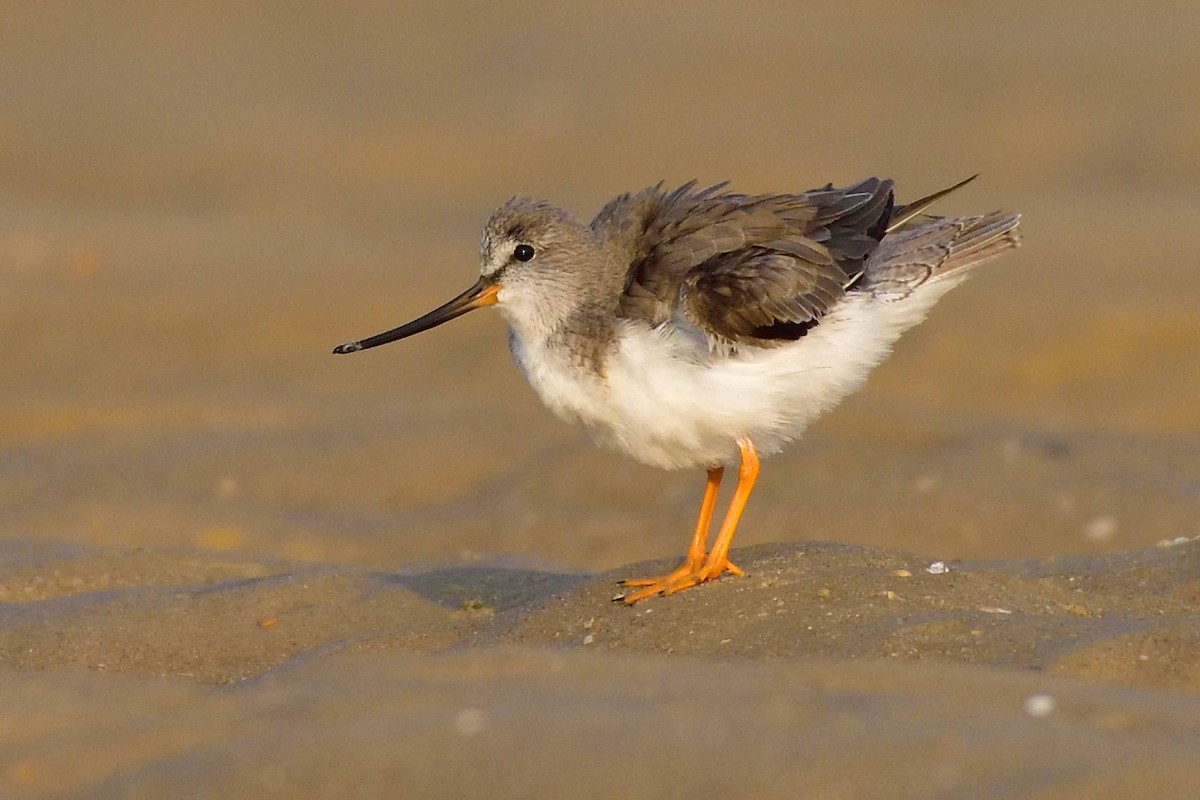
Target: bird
{"points": [[695, 326]]}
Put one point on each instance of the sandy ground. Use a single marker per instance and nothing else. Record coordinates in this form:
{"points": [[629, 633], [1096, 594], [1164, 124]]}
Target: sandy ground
{"points": [[831, 669], [233, 565]]}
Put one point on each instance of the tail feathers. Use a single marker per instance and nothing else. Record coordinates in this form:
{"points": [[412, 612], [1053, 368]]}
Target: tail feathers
{"points": [[943, 248], [988, 237]]}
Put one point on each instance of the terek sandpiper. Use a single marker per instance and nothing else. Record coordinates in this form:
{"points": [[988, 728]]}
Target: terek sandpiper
{"points": [[689, 326]]}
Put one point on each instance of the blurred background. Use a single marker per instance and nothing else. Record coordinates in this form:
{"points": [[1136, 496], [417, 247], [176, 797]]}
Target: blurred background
{"points": [[198, 200]]}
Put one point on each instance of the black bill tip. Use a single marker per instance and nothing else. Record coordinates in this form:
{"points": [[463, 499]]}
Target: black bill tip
{"points": [[348, 347]]}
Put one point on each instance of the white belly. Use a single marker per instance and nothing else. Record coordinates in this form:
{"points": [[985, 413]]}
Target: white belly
{"points": [[667, 401]]}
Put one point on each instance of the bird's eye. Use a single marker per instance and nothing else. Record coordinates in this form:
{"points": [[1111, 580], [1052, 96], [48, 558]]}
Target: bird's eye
{"points": [[523, 252]]}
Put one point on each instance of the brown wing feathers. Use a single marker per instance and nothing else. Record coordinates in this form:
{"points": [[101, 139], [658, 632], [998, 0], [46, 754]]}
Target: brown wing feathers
{"points": [[764, 269], [756, 269], [761, 294]]}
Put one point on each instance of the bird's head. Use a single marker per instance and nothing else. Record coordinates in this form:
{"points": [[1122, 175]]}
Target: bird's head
{"points": [[533, 259]]}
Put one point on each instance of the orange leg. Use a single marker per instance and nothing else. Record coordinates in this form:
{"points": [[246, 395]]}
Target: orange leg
{"points": [[692, 572], [695, 554], [718, 558]]}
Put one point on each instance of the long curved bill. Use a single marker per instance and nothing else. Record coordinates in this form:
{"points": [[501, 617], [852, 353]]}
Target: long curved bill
{"points": [[483, 293]]}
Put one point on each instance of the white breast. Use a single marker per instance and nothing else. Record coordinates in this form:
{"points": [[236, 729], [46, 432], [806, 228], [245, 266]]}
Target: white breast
{"points": [[667, 401]]}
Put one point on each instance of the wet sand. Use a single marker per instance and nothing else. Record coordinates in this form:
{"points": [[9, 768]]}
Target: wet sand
{"points": [[831, 669], [233, 565]]}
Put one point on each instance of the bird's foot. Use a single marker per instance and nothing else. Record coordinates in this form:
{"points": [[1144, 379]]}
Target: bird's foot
{"points": [[683, 577]]}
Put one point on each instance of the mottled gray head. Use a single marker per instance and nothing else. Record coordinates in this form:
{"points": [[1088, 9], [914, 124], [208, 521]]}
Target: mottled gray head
{"points": [[534, 259], [529, 232], [541, 258]]}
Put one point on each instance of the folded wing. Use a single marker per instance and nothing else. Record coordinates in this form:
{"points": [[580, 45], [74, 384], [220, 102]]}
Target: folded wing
{"points": [[749, 269]]}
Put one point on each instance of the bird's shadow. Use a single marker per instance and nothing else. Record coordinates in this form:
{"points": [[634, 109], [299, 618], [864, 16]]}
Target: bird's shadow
{"points": [[485, 587]]}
